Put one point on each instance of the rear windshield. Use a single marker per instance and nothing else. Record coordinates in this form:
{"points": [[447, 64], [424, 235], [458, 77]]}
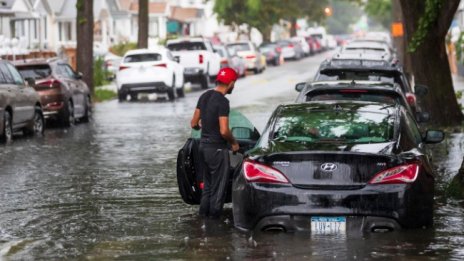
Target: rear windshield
{"points": [[140, 58], [337, 75], [239, 47], [333, 126], [365, 49], [352, 96], [187, 46], [35, 71]]}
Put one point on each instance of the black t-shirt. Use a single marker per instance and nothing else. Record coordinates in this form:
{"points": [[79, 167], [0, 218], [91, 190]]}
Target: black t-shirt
{"points": [[212, 105]]}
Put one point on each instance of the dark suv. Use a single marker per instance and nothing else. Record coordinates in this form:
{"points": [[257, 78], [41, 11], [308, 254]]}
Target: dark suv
{"points": [[369, 67], [65, 97], [20, 107]]}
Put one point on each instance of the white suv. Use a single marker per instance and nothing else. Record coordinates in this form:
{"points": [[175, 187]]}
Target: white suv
{"points": [[150, 71]]}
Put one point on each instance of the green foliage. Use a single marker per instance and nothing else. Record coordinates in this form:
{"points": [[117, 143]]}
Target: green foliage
{"points": [[459, 48], [344, 14], [430, 16], [122, 48], [100, 74], [104, 95], [459, 95], [380, 11], [263, 14]]}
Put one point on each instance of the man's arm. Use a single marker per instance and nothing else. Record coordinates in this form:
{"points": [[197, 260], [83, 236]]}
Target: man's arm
{"points": [[195, 122], [226, 133]]}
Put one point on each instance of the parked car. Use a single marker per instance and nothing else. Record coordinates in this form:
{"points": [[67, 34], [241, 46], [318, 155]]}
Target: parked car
{"points": [[372, 91], [272, 52], [303, 43], [290, 50], [112, 62], [20, 107], [64, 96], [314, 44], [201, 64], [370, 67], [231, 59], [329, 167], [251, 54], [150, 71]]}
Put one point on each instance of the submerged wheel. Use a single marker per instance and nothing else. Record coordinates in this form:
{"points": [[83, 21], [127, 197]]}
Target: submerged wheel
{"points": [[7, 135], [37, 126]]}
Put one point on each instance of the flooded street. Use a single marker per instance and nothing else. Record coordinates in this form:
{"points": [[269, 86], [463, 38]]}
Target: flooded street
{"points": [[107, 190]]}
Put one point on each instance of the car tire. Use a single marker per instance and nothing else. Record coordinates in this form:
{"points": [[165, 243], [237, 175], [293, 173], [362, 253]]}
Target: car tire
{"points": [[37, 126], [256, 71], [67, 114], [7, 135], [180, 92], [122, 97], [134, 96], [205, 82], [88, 110]]}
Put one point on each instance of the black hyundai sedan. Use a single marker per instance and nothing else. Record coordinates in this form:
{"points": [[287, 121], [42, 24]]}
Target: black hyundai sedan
{"points": [[330, 167]]}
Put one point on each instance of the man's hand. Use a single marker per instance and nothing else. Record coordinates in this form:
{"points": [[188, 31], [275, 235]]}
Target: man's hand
{"points": [[235, 147], [195, 122]]}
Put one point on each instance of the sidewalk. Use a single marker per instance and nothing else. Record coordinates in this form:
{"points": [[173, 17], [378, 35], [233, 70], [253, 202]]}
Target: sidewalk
{"points": [[111, 87]]}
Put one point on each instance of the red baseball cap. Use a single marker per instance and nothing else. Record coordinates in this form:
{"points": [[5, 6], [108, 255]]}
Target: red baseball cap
{"points": [[226, 75]]}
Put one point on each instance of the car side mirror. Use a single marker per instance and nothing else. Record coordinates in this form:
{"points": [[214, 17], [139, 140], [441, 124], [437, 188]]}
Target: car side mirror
{"points": [[434, 136], [30, 81], [422, 117], [177, 59], [241, 133], [299, 87], [79, 75], [421, 90]]}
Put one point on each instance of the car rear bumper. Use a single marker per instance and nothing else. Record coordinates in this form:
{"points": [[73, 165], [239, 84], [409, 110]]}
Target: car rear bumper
{"points": [[256, 206], [194, 75], [150, 87]]}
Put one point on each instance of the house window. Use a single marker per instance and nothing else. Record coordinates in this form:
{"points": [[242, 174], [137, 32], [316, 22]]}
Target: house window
{"points": [[65, 31]]}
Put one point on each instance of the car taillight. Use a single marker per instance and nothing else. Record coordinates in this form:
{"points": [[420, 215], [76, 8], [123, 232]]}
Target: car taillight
{"points": [[122, 67], [161, 65], [53, 84], [278, 49], [397, 175], [290, 45], [251, 56], [255, 172], [200, 58], [411, 98]]}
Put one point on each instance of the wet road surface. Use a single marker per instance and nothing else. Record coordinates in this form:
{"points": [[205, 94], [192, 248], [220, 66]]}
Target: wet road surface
{"points": [[107, 190]]}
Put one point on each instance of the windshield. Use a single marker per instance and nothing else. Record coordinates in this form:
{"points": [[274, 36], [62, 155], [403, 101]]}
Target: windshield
{"points": [[333, 126], [336, 75], [140, 58], [240, 47], [35, 71], [187, 46]]}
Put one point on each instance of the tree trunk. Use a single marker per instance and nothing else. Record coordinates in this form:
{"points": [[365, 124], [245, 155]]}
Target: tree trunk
{"points": [[430, 61], [456, 188], [293, 28], [84, 54], [143, 24], [266, 32]]}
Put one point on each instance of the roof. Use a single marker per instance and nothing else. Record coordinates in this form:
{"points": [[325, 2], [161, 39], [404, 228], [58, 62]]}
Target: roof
{"points": [[355, 85], [160, 50], [185, 14], [153, 7], [186, 39]]}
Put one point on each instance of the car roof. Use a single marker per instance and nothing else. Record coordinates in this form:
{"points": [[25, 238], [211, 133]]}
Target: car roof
{"points": [[366, 44], [142, 51], [360, 61], [186, 39], [37, 61], [362, 55], [358, 106], [352, 84]]}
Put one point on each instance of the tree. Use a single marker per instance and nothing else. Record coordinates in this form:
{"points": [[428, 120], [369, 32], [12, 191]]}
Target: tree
{"points": [[426, 24], [344, 14], [85, 41], [142, 37], [380, 11]]}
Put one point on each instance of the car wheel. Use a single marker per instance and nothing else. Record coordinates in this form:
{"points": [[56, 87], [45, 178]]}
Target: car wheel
{"points": [[88, 110], [67, 115], [205, 82], [37, 126], [122, 96], [134, 96], [180, 92], [7, 135], [172, 90]]}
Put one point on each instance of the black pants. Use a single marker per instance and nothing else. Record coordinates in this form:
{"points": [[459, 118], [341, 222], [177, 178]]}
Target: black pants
{"points": [[215, 166]]}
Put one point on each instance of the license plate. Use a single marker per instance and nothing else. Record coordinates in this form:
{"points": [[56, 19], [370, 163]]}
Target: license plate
{"points": [[328, 225]]}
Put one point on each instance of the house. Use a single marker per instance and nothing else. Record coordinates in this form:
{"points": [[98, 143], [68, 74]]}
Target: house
{"points": [[158, 13]]}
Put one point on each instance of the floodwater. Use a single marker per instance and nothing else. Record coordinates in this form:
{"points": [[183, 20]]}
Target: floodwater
{"points": [[107, 190]]}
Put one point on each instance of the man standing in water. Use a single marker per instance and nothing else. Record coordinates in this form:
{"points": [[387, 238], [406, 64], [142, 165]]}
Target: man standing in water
{"points": [[212, 116]]}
